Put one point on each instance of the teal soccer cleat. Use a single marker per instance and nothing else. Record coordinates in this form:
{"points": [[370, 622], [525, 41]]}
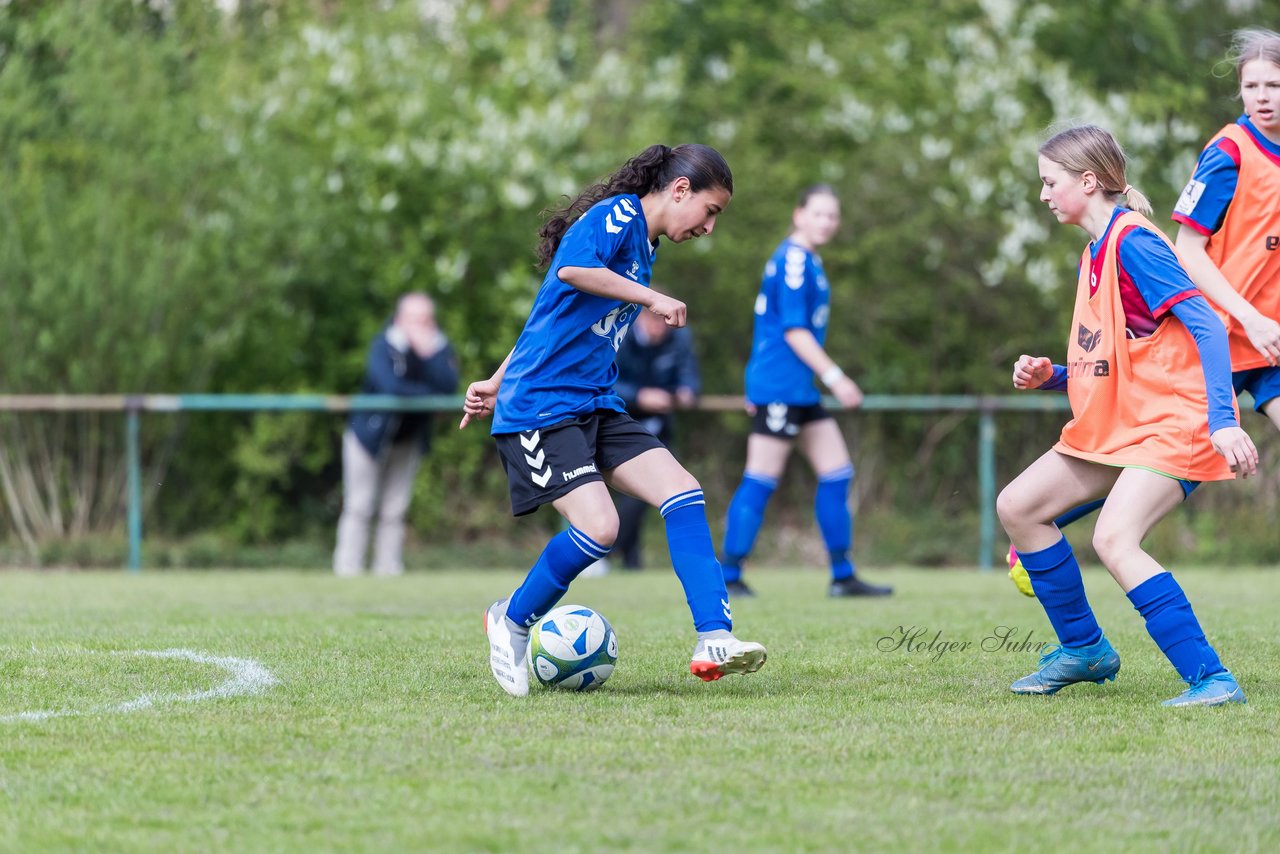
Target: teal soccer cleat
{"points": [[1213, 690], [1065, 666]]}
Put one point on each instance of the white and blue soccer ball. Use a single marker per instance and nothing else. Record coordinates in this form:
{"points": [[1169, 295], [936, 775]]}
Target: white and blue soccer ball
{"points": [[572, 647]]}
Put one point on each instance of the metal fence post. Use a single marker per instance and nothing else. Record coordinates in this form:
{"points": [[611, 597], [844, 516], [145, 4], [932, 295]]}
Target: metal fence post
{"points": [[133, 456], [987, 486]]}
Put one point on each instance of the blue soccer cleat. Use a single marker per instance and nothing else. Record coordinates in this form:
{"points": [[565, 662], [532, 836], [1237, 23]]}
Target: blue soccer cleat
{"points": [[1213, 690], [1065, 666]]}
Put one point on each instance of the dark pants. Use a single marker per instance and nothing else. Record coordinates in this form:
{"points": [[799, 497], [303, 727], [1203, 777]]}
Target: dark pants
{"points": [[631, 513]]}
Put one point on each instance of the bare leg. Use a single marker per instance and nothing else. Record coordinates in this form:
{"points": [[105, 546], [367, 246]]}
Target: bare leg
{"points": [[1051, 485], [1137, 502]]}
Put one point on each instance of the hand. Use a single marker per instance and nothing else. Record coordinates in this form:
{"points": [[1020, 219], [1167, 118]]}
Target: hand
{"points": [[847, 392], [480, 400], [426, 342], [1237, 448], [671, 310], [655, 400], [1032, 371], [1264, 334], [685, 398], [749, 407]]}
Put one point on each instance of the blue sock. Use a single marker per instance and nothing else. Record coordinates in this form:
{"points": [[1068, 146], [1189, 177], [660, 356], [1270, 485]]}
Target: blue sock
{"points": [[746, 514], [694, 559], [567, 554], [1078, 513], [1055, 577], [1174, 627], [831, 506]]}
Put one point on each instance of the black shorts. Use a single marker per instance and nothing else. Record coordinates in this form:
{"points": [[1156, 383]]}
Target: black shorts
{"points": [[552, 461], [783, 421]]}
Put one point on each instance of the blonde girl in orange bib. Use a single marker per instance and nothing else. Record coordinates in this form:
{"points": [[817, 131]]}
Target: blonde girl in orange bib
{"points": [[1148, 377]]}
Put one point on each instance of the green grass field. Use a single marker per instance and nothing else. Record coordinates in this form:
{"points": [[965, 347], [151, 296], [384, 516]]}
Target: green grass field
{"points": [[384, 731]]}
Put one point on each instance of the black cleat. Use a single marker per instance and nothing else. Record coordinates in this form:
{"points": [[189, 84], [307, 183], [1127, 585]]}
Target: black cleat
{"points": [[854, 586], [738, 589]]}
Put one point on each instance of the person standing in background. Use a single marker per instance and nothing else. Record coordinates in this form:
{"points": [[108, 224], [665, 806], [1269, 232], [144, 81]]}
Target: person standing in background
{"points": [[657, 375], [788, 353], [381, 451]]}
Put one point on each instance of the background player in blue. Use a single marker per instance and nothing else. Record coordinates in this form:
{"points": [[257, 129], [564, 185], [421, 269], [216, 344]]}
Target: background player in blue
{"points": [[561, 430], [792, 310]]}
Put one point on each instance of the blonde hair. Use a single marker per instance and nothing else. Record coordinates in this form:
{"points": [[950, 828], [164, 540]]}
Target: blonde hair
{"points": [[1089, 148], [1254, 43]]}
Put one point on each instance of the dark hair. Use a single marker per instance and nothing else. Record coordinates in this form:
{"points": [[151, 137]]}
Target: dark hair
{"points": [[816, 190], [650, 170]]}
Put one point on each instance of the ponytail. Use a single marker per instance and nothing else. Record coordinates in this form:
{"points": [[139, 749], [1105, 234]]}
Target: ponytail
{"points": [[1137, 200], [649, 171]]}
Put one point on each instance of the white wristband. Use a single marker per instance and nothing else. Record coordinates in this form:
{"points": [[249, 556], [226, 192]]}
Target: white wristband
{"points": [[832, 375]]}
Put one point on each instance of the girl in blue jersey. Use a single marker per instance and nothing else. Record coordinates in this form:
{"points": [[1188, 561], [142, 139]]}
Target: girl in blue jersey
{"points": [[792, 310], [564, 435]]}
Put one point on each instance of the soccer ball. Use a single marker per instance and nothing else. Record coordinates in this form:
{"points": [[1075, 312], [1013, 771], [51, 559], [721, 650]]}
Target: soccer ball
{"points": [[572, 647]]}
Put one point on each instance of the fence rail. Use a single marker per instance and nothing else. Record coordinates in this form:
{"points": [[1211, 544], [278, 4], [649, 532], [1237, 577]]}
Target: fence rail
{"points": [[132, 406]]}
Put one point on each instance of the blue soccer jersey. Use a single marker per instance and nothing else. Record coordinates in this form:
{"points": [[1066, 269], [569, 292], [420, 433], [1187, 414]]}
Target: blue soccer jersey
{"points": [[794, 294], [563, 362]]}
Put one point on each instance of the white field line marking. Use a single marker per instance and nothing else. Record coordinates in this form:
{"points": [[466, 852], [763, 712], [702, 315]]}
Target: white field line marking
{"points": [[248, 677]]}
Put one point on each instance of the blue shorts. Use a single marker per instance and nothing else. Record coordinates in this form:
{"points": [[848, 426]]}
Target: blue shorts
{"points": [[1263, 384]]}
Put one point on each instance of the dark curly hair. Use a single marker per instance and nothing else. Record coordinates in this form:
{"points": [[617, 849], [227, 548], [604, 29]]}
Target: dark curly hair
{"points": [[650, 170]]}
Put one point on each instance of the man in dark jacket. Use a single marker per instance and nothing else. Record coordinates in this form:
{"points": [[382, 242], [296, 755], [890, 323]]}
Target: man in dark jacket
{"points": [[381, 450], [657, 374]]}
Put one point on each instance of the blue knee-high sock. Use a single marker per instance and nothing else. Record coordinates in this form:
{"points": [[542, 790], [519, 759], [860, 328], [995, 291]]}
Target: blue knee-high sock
{"points": [[1174, 627], [694, 559], [831, 506], [1078, 513], [567, 554], [1055, 577], [746, 514]]}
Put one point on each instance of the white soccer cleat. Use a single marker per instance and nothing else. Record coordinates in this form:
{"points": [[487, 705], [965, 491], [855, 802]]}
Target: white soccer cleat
{"points": [[723, 656], [506, 651]]}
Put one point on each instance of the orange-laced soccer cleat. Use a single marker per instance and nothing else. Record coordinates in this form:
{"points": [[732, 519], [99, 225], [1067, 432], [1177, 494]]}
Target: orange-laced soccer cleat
{"points": [[717, 657]]}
